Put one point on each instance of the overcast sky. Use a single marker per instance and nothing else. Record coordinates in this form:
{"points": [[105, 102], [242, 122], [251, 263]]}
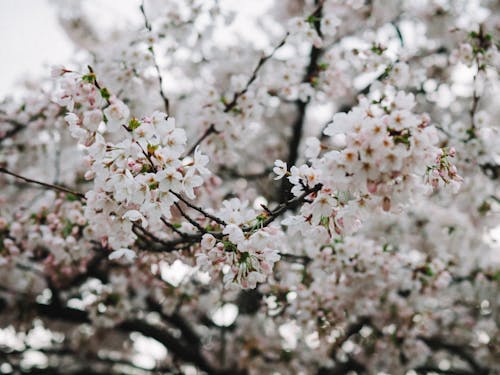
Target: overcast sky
{"points": [[31, 40]]}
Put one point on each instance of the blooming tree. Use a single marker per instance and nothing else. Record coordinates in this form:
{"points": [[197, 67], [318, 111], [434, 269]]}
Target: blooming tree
{"points": [[311, 193]]}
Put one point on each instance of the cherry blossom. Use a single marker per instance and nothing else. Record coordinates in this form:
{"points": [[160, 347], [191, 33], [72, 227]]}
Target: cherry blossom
{"points": [[307, 188]]}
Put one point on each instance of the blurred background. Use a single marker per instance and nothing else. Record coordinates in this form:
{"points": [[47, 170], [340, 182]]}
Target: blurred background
{"points": [[32, 40]]}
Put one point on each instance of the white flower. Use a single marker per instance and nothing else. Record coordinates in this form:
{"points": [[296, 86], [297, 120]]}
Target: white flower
{"points": [[400, 74], [234, 211], [176, 140], [208, 241], [280, 169], [127, 254], [134, 215], [169, 179], [200, 161], [161, 121], [313, 147], [235, 233], [341, 124], [57, 71], [322, 207], [404, 100], [297, 25], [92, 119], [117, 114], [190, 182], [72, 119], [329, 25]]}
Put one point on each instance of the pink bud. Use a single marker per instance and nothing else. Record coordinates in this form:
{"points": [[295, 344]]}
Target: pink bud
{"points": [[386, 204], [371, 186]]}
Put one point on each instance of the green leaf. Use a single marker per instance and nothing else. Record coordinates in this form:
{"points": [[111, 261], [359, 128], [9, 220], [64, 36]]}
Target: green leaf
{"points": [[229, 246], [68, 227], [105, 93], [90, 78], [377, 49], [484, 208], [312, 19], [134, 124], [71, 197], [323, 66], [427, 270], [496, 276]]}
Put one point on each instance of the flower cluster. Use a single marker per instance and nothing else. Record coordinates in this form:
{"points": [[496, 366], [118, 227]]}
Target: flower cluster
{"points": [[90, 105], [384, 148], [115, 235], [55, 232], [443, 171], [245, 253], [137, 180]]}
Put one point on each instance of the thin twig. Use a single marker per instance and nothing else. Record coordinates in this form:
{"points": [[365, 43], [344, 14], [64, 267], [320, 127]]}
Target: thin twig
{"points": [[210, 130], [188, 218], [199, 209], [172, 226], [45, 184], [253, 77], [148, 26], [298, 125], [147, 157]]}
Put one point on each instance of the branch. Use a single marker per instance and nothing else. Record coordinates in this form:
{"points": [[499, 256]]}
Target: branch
{"points": [[253, 77], [437, 343], [186, 240], [21, 126], [298, 125], [189, 219], [291, 203], [188, 333], [174, 346], [437, 370], [44, 184], [210, 130], [10, 133], [148, 157], [491, 170], [351, 330], [199, 209], [147, 24]]}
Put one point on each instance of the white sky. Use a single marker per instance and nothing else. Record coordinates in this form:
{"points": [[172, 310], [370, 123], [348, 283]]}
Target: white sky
{"points": [[31, 40]]}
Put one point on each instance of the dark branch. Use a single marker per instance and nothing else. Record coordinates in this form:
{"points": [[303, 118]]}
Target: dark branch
{"points": [[210, 130], [148, 26], [253, 77], [437, 343], [298, 125], [44, 184]]}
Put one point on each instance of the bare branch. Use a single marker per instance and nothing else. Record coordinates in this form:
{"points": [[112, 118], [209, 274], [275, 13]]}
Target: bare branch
{"points": [[44, 184]]}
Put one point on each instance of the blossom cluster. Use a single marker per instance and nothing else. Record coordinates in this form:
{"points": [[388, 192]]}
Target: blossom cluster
{"points": [[93, 105], [140, 178], [137, 176], [379, 160], [368, 252], [246, 252]]}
